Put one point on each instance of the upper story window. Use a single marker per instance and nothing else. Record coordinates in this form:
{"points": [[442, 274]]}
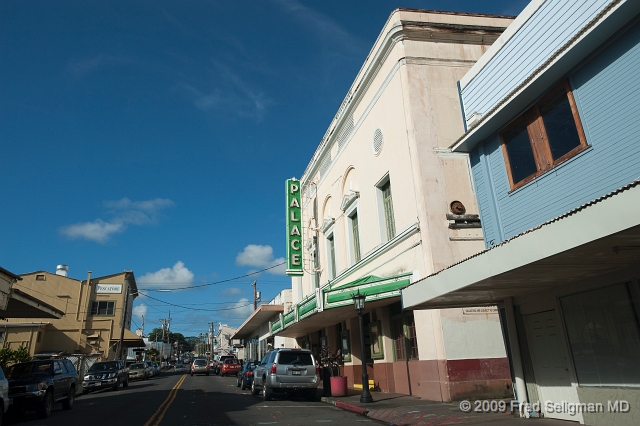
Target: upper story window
{"points": [[355, 236], [103, 307], [544, 136], [331, 255], [387, 203]]}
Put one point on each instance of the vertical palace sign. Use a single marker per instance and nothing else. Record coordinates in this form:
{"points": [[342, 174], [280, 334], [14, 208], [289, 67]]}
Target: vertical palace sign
{"points": [[294, 229]]}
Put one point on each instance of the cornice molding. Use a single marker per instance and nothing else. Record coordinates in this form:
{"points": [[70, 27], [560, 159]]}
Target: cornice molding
{"points": [[401, 31]]}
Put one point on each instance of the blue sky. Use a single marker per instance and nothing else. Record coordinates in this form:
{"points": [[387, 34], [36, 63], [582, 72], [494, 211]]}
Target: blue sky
{"points": [[156, 136]]}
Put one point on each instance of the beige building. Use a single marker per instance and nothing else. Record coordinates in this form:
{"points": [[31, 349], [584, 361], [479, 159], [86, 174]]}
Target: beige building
{"points": [[385, 203], [255, 333], [94, 312]]}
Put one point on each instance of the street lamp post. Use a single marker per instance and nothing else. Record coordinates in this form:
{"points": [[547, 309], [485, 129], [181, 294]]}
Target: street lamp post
{"points": [[358, 302]]}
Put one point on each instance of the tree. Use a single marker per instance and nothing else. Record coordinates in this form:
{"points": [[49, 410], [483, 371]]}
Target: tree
{"points": [[8, 356], [156, 334], [153, 354]]}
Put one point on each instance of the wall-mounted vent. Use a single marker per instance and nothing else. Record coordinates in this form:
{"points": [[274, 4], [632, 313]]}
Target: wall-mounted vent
{"points": [[41, 277], [377, 141], [325, 165], [345, 132]]}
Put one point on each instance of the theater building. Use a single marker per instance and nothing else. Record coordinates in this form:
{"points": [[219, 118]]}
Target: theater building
{"points": [[384, 203]]}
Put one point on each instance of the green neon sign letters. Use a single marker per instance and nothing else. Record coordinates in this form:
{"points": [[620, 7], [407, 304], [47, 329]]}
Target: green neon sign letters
{"points": [[294, 229]]}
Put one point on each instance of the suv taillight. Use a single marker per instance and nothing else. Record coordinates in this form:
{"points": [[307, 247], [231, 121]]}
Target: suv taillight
{"points": [[317, 371], [273, 368]]}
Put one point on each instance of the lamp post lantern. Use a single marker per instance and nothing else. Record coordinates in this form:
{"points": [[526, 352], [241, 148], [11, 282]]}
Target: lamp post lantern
{"points": [[358, 303]]}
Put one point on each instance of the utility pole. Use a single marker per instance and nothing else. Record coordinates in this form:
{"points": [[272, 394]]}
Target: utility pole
{"points": [[212, 327], [124, 315], [255, 295], [142, 325]]}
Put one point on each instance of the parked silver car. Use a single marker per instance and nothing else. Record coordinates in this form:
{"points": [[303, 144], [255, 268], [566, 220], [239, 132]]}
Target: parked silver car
{"points": [[139, 371], [200, 366], [286, 370]]}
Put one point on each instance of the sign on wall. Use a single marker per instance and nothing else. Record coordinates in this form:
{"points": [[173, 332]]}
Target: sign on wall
{"points": [[108, 288], [294, 229]]}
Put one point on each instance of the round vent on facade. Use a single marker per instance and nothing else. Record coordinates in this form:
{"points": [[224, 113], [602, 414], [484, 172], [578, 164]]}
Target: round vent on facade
{"points": [[377, 141]]}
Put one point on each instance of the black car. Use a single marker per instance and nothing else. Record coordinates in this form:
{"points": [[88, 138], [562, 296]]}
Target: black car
{"points": [[107, 374], [245, 375], [37, 385]]}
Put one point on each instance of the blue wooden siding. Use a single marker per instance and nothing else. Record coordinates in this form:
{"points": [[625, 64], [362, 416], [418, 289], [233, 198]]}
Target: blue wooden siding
{"points": [[607, 92], [550, 27]]}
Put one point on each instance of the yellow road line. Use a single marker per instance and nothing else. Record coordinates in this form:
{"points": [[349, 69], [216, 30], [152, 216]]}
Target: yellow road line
{"points": [[169, 399]]}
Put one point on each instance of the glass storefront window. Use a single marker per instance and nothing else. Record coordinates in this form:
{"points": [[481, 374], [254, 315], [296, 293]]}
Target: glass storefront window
{"points": [[604, 335]]}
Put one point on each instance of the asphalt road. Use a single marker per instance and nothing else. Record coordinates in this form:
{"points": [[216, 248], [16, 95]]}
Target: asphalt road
{"points": [[176, 398]]}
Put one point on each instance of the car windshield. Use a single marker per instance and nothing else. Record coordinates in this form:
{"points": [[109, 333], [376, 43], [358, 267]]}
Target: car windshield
{"points": [[28, 369], [103, 366], [293, 358], [137, 366]]}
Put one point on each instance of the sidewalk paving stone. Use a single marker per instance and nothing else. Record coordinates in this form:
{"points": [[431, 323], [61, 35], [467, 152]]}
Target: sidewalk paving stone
{"points": [[403, 410]]}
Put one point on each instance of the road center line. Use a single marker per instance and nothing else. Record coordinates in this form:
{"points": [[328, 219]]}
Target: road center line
{"points": [[168, 400]]}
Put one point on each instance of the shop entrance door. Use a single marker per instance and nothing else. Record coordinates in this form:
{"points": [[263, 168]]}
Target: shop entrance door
{"points": [[551, 364]]}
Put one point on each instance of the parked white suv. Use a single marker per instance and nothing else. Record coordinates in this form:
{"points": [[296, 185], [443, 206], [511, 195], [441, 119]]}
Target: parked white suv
{"points": [[286, 370]]}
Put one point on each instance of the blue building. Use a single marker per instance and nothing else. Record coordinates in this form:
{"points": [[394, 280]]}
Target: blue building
{"points": [[552, 125]]}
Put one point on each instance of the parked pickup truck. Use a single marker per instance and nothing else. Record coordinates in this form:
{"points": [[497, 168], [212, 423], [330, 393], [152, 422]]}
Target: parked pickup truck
{"points": [[104, 375]]}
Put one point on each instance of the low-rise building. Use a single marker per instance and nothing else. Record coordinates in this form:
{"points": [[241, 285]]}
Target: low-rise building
{"points": [[96, 313], [552, 133], [255, 333]]}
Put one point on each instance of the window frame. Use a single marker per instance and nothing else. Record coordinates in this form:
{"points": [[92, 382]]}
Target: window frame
{"points": [[378, 325], [330, 243], [97, 310], [387, 232], [540, 144], [352, 244], [345, 336]]}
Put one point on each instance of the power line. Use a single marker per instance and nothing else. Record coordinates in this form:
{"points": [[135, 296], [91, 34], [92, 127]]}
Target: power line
{"points": [[194, 309], [215, 282]]}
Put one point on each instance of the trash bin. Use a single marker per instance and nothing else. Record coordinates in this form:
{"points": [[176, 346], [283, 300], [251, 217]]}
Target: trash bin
{"points": [[339, 386]]}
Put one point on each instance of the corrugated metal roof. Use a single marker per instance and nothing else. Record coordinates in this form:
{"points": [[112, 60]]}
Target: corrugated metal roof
{"points": [[556, 219]]}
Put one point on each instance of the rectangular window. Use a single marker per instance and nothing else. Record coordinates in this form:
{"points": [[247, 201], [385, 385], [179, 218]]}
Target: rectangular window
{"points": [[345, 345], [544, 136], [375, 331], [604, 335], [411, 334], [331, 247], [103, 307], [387, 203], [399, 339], [355, 234]]}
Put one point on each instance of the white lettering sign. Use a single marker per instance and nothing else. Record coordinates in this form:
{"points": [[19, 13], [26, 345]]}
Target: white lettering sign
{"points": [[109, 288]]}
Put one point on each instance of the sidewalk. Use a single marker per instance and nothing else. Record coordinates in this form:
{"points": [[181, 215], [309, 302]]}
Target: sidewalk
{"points": [[400, 410]]}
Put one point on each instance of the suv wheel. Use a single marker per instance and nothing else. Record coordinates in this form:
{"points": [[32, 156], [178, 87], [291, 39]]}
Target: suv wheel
{"points": [[44, 410], [267, 393], [68, 403], [117, 384], [125, 384], [254, 391]]}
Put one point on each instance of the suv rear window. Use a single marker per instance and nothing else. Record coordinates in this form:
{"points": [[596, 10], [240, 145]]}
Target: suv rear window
{"points": [[200, 362], [292, 358]]}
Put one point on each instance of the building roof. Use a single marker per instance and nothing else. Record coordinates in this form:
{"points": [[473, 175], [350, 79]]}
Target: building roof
{"points": [[260, 316], [537, 258], [23, 305], [11, 274]]}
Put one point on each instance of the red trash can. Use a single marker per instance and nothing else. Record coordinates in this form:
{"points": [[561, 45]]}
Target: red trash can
{"points": [[338, 386]]}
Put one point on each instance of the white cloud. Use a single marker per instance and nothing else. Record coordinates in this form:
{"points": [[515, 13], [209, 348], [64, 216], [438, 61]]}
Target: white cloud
{"points": [[140, 310], [176, 276], [241, 309], [124, 212], [231, 291], [258, 256]]}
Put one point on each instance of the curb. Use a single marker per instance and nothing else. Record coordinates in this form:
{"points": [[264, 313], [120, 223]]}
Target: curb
{"points": [[346, 406]]}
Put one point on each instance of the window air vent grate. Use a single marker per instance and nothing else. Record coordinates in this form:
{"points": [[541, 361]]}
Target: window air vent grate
{"points": [[346, 131], [377, 141], [325, 165]]}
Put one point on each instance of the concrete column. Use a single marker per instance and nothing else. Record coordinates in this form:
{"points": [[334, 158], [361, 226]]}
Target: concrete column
{"points": [[514, 344]]}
